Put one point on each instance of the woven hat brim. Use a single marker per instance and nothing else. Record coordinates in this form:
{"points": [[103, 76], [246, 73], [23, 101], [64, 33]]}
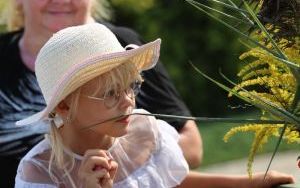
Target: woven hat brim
{"points": [[145, 57]]}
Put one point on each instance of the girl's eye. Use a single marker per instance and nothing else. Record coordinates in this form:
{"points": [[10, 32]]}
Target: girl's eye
{"points": [[110, 93]]}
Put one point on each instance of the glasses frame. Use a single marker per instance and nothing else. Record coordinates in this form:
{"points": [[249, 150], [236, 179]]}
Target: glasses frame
{"points": [[132, 91]]}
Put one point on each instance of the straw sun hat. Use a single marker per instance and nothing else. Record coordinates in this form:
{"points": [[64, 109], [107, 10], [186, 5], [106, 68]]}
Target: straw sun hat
{"points": [[76, 55]]}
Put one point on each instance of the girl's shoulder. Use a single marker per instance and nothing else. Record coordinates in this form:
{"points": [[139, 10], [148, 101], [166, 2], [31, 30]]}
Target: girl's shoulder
{"points": [[149, 154], [41, 149], [149, 127], [33, 168], [142, 126], [136, 147]]}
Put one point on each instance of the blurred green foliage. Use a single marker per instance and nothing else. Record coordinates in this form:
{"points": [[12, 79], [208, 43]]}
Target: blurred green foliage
{"points": [[187, 35]]}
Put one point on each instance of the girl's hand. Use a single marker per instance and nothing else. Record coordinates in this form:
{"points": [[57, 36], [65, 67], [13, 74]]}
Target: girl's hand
{"points": [[97, 170], [272, 178]]}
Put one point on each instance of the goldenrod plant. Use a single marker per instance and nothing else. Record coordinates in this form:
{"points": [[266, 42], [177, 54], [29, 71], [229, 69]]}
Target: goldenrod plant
{"points": [[270, 74]]}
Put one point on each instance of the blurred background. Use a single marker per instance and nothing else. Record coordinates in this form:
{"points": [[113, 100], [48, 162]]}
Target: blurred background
{"points": [[190, 36], [187, 35]]}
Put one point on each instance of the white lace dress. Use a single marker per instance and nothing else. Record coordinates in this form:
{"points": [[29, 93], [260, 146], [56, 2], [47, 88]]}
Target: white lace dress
{"points": [[148, 156]]}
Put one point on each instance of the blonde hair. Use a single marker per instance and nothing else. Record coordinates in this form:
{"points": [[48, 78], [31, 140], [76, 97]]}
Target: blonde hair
{"points": [[58, 158], [119, 77], [12, 17]]}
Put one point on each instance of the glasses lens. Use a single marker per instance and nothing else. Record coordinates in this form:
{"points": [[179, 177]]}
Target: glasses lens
{"points": [[111, 99], [136, 87]]}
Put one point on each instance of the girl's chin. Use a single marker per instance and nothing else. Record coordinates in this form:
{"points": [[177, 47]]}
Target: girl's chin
{"points": [[120, 133]]}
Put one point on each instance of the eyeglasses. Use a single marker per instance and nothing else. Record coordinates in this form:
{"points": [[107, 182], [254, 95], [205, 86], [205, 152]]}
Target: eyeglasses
{"points": [[112, 97]]}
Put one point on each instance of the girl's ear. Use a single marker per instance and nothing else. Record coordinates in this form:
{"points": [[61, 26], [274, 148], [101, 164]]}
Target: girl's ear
{"points": [[62, 108]]}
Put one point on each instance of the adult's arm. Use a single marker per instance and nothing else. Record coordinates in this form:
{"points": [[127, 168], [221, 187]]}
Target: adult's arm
{"points": [[191, 143], [273, 178]]}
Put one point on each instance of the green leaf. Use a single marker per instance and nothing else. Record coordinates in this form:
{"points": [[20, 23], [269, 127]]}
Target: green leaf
{"points": [[276, 149], [214, 120], [243, 13], [222, 13]]}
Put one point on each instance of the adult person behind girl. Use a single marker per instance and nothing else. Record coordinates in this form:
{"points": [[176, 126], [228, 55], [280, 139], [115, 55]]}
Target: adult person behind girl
{"points": [[34, 22], [89, 82]]}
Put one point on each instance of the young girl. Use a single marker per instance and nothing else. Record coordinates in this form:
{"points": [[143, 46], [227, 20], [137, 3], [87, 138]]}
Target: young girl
{"points": [[97, 138]]}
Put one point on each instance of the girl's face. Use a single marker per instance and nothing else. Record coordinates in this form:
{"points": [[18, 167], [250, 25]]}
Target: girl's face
{"points": [[97, 105], [54, 15]]}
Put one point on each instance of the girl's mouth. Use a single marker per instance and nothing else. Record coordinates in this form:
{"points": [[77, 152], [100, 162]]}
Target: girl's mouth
{"points": [[124, 119]]}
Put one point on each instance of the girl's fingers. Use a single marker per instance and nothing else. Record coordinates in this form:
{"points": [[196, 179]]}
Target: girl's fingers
{"points": [[113, 169], [107, 183], [95, 152], [98, 166], [95, 160], [99, 174]]}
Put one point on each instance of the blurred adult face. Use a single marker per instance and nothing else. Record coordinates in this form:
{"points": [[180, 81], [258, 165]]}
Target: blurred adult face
{"points": [[54, 15]]}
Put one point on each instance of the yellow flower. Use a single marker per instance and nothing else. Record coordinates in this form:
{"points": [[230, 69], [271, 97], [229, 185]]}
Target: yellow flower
{"points": [[266, 77]]}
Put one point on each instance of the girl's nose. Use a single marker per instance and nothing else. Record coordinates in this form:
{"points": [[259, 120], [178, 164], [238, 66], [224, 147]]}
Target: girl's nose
{"points": [[126, 100]]}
